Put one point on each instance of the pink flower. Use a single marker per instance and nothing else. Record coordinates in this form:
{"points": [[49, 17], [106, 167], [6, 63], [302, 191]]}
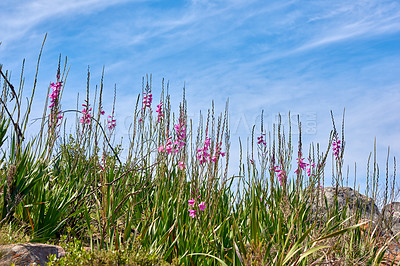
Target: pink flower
{"points": [[260, 139], [202, 206], [147, 99], [169, 149], [102, 112], [159, 111], [55, 117], [86, 118], [191, 202], [180, 131], [336, 147], [202, 153], [192, 213], [308, 171], [55, 93], [301, 164], [309, 168], [281, 174], [181, 165], [111, 122], [161, 148], [217, 152]]}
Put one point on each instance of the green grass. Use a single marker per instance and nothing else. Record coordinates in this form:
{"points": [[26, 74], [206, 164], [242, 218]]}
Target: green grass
{"points": [[73, 189]]}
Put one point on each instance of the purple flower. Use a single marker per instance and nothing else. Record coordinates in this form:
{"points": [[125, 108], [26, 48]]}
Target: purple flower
{"points": [[192, 213], [55, 116], [308, 171], [191, 202], [217, 152], [301, 164], [111, 122], [260, 139], [180, 130], [281, 174], [336, 147], [159, 111], [86, 114], [147, 99], [202, 206], [202, 153]]}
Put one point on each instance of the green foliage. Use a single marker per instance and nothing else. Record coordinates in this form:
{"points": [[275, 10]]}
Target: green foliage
{"points": [[165, 205], [77, 255]]}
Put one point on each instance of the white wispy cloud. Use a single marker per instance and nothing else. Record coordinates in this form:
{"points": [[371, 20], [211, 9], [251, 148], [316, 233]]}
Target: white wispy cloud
{"points": [[20, 17], [357, 19]]}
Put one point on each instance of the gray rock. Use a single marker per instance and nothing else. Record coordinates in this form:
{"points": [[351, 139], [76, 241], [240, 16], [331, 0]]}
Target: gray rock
{"points": [[391, 214], [28, 253], [354, 199]]}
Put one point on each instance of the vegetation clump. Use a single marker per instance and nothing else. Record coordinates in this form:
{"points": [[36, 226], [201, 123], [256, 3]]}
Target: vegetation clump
{"points": [[170, 201]]}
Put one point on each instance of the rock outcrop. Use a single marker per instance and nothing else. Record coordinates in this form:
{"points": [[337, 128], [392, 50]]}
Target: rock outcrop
{"points": [[391, 214], [28, 253], [355, 201]]}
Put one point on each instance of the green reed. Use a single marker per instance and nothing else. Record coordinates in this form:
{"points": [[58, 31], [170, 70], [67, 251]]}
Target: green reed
{"points": [[172, 197]]}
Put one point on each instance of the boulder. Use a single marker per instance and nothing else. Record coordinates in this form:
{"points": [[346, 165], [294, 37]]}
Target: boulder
{"points": [[391, 214], [354, 199], [28, 253]]}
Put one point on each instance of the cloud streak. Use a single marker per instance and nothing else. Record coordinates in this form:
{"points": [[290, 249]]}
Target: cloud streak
{"points": [[20, 18]]}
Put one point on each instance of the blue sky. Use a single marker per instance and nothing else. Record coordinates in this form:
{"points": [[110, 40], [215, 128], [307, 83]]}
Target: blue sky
{"points": [[307, 57]]}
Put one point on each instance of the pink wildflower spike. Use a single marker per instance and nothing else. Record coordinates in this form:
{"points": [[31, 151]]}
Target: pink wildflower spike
{"points": [[181, 165], [279, 172], [202, 153], [102, 112], [111, 123], [260, 139], [86, 114], [180, 130], [301, 164], [191, 202], [336, 147], [159, 111], [308, 171], [217, 152], [168, 149], [202, 206], [147, 99], [192, 213], [161, 148], [55, 117]]}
